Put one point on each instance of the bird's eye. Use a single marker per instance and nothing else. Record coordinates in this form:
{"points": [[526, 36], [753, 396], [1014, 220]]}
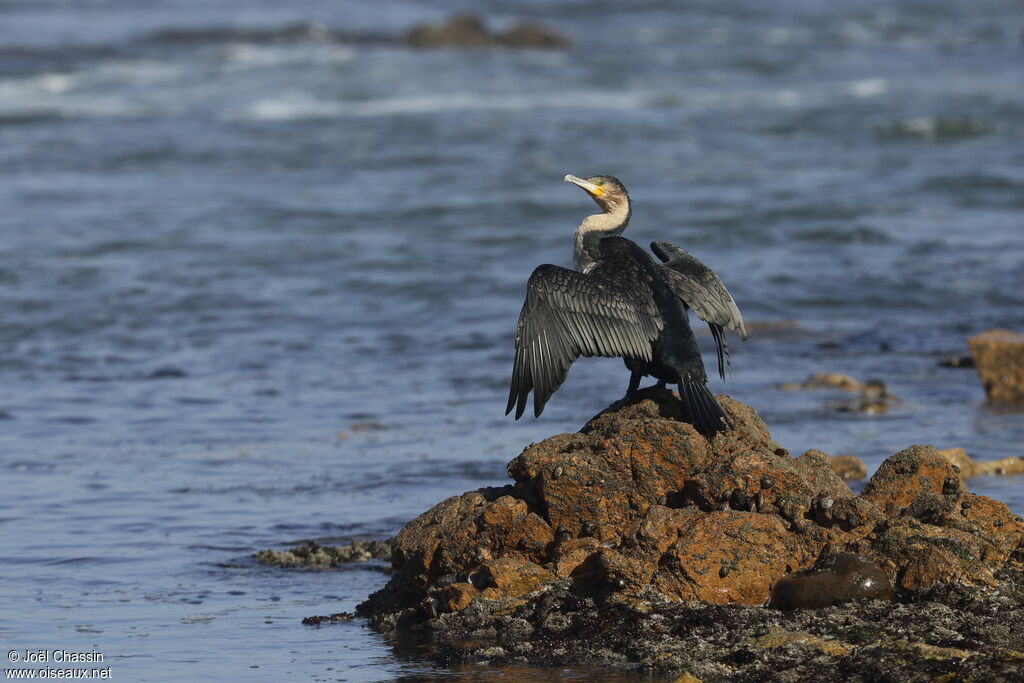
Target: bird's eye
{"points": [[600, 183]]}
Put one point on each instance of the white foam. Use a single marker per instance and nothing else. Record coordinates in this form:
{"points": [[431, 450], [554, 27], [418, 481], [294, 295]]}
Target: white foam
{"points": [[299, 105], [249, 56], [292, 106], [84, 92], [868, 87]]}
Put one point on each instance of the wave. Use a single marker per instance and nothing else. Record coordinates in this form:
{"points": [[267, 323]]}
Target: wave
{"points": [[255, 56], [301, 106], [298, 32], [67, 95], [163, 44]]}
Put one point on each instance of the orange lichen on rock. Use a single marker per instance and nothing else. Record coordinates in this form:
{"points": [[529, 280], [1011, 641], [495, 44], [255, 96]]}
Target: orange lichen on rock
{"points": [[639, 506]]}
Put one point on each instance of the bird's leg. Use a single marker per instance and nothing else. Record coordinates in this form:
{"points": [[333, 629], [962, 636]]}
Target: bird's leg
{"points": [[634, 383]]}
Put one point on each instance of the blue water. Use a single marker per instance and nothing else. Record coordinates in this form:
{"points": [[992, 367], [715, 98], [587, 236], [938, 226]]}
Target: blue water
{"points": [[260, 269]]}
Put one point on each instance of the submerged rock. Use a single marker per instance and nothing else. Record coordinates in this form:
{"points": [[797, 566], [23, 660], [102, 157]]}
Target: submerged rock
{"points": [[638, 508], [469, 31], [999, 357], [337, 618], [312, 555]]}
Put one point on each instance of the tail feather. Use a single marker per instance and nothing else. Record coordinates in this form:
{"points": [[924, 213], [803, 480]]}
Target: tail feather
{"points": [[705, 413]]}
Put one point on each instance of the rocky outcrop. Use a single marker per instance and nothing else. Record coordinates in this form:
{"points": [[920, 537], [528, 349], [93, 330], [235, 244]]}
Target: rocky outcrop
{"points": [[999, 358], [639, 507], [469, 31]]}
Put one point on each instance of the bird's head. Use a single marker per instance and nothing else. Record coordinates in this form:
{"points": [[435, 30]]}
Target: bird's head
{"points": [[605, 190]]}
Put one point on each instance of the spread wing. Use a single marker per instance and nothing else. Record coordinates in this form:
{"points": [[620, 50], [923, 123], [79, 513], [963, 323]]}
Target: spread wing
{"points": [[701, 289], [568, 314]]}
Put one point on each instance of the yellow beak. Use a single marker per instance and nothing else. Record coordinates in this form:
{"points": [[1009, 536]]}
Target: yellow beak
{"points": [[591, 189]]}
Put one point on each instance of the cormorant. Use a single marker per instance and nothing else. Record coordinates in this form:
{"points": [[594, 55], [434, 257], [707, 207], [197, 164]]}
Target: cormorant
{"points": [[619, 303]]}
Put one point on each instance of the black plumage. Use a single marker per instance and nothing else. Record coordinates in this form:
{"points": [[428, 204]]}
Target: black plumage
{"points": [[621, 303]]}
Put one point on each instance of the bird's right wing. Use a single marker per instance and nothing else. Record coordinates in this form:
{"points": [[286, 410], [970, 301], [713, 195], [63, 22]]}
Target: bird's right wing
{"points": [[568, 314]]}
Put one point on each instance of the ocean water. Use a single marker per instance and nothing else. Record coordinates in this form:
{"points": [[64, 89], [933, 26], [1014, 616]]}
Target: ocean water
{"points": [[260, 267]]}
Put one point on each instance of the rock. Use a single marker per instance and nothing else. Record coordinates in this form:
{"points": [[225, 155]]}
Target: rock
{"points": [[999, 357], [873, 397], [848, 467], [915, 476], [167, 372], [337, 618], [972, 468], [461, 30], [826, 380], [530, 35], [640, 510], [959, 632], [639, 540], [312, 555], [778, 637], [687, 678], [957, 362], [833, 580], [469, 31], [720, 556]]}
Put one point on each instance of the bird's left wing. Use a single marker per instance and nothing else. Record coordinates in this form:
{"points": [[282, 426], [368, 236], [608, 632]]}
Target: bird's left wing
{"points": [[568, 314], [701, 289]]}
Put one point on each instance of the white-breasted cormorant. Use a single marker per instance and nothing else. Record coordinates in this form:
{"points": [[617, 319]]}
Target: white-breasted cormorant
{"points": [[619, 303]]}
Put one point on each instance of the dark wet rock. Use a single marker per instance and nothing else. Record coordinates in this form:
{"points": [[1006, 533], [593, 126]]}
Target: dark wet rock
{"points": [[338, 618], [999, 358], [312, 555], [469, 31], [368, 426], [638, 514], [462, 30], [833, 580], [167, 372], [848, 467], [532, 35], [969, 467], [960, 631]]}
